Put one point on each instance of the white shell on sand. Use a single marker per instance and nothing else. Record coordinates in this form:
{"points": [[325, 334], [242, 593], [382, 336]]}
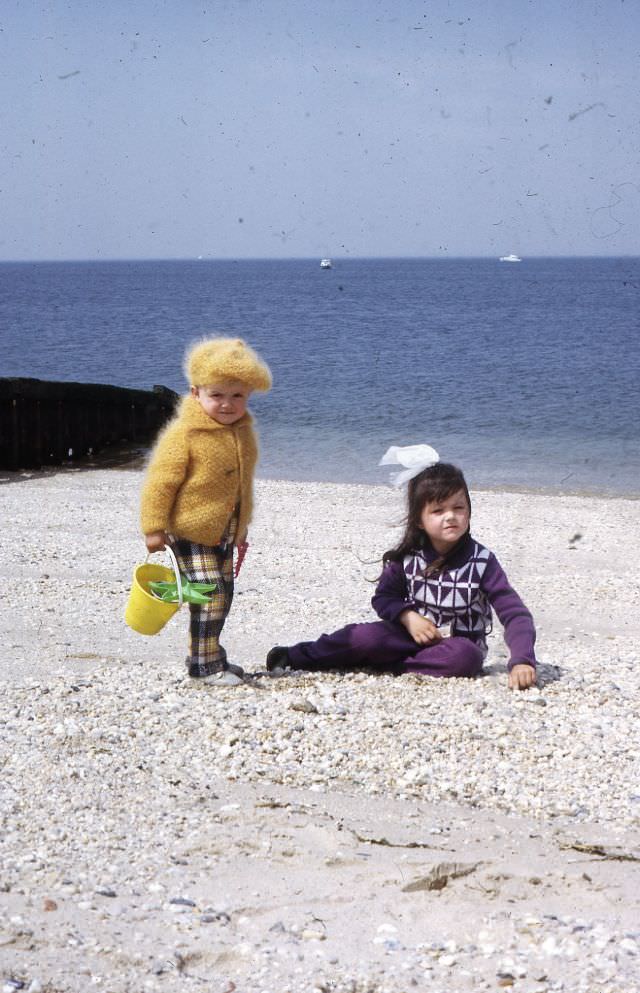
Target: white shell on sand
{"points": [[347, 833]]}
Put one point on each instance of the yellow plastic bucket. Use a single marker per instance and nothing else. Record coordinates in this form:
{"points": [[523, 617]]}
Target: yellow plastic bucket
{"points": [[145, 613]]}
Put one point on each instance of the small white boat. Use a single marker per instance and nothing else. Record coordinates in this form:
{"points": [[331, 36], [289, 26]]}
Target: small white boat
{"points": [[325, 263], [509, 258]]}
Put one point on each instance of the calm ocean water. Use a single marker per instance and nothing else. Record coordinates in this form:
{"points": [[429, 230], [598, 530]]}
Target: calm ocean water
{"points": [[524, 374]]}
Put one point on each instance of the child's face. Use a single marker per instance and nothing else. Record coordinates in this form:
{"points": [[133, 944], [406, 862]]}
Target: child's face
{"points": [[225, 402], [447, 521]]}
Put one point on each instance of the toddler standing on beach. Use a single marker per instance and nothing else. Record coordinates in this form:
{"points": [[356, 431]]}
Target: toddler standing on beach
{"points": [[198, 491], [437, 577]]}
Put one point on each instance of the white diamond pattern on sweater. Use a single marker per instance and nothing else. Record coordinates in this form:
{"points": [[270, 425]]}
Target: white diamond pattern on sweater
{"points": [[455, 596]]}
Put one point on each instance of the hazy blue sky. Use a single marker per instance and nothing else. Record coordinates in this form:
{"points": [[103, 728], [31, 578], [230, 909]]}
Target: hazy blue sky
{"points": [[170, 128]]}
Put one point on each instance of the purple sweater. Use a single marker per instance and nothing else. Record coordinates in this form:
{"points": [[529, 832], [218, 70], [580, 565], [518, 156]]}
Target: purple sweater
{"points": [[462, 596]]}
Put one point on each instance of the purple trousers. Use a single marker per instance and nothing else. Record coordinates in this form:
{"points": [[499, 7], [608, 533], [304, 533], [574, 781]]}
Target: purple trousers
{"points": [[388, 647]]}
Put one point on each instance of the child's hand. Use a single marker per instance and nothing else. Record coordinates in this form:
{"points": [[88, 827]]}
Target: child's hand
{"points": [[521, 677], [155, 541], [422, 630]]}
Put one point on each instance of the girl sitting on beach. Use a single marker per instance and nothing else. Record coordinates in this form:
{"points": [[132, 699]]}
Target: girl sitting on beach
{"points": [[438, 576]]}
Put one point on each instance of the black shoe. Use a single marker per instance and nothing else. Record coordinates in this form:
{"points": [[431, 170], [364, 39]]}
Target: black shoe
{"points": [[278, 658]]}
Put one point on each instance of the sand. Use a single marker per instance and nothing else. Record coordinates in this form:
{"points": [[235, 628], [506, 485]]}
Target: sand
{"points": [[331, 832]]}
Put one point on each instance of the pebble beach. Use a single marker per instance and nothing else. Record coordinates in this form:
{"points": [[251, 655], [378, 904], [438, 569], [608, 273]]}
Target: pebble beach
{"points": [[353, 833]]}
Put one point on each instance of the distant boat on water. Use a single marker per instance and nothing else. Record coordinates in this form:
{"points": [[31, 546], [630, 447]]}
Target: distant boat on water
{"points": [[326, 263], [509, 258]]}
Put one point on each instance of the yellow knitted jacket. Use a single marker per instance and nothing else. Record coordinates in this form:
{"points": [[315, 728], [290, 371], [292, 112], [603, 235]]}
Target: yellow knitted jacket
{"points": [[199, 471]]}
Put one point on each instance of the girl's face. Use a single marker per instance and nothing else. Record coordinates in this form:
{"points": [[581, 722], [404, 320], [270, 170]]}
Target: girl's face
{"points": [[446, 521]]}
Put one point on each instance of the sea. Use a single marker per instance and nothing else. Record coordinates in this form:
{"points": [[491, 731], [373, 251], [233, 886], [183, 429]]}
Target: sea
{"points": [[526, 374]]}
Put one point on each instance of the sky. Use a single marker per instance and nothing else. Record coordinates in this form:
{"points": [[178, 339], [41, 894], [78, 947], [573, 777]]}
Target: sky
{"points": [[289, 128]]}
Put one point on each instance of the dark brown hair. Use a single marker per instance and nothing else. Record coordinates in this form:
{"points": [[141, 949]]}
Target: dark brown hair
{"points": [[433, 485]]}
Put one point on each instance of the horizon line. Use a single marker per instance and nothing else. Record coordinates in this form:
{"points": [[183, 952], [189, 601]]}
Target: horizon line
{"points": [[300, 258]]}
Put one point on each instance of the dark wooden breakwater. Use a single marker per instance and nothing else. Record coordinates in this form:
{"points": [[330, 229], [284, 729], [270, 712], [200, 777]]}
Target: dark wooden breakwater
{"points": [[44, 423]]}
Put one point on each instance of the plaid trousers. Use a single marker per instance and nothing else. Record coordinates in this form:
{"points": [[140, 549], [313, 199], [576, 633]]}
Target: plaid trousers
{"points": [[208, 564]]}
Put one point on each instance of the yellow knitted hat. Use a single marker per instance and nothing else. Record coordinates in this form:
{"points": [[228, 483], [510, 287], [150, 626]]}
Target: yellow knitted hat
{"points": [[226, 358]]}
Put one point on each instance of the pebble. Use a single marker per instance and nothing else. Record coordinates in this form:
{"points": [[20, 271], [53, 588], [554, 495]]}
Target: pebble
{"points": [[303, 706]]}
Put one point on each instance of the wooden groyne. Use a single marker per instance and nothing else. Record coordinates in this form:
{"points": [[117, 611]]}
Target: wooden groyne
{"points": [[44, 423]]}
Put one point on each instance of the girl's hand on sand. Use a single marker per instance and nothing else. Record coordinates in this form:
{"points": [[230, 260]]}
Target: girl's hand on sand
{"points": [[155, 541], [422, 630], [521, 677]]}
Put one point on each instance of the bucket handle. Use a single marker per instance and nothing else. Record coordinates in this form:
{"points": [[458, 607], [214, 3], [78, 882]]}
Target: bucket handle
{"points": [[174, 566]]}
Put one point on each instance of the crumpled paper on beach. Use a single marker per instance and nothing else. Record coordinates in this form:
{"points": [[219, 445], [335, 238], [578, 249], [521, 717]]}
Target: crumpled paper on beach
{"points": [[415, 458]]}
